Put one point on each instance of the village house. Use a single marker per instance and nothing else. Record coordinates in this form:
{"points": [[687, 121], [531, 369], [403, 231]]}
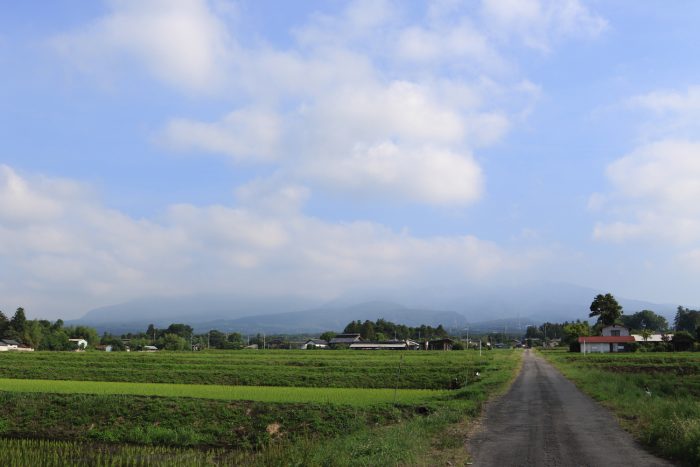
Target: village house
{"points": [[8, 344], [344, 339], [615, 338], [440, 344], [315, 344], [653, 338], [386, 345]]}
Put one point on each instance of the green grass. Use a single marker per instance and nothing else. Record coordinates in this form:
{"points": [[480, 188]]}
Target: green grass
{"points": [[346, 396], [668, 421]]}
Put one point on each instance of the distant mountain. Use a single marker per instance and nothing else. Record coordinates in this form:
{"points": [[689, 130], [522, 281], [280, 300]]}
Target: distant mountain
{"points": [[487, 307]]}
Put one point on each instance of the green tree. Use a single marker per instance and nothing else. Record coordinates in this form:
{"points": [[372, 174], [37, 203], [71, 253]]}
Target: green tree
{"points": [[18, 322], [572, 331], [328, 335], [33, 334], [4, 325], [687, 320], [606, 308], [174, 342], [646, 333], [682, 340], [367, 331], [645, 319]]}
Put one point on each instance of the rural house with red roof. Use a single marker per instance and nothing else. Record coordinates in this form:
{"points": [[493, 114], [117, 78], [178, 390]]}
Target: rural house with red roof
{"points": [[613, 338]]}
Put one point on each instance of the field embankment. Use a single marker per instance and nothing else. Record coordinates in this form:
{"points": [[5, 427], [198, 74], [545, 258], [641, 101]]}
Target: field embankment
{"points": [[656, 396]]}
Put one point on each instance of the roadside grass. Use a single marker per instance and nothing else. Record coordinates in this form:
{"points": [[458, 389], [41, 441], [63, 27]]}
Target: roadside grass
{"points": [[668, 420], [431, 431]]}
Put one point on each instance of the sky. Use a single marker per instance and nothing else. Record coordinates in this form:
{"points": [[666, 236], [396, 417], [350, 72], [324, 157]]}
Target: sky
{"points": [[174, 147]]}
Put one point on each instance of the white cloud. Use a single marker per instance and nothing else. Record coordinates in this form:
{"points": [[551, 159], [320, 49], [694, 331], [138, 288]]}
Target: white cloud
{"points": [[656, 190], [182, 42], [541, 23], [88, 254], [245, 133], [423, 174]]}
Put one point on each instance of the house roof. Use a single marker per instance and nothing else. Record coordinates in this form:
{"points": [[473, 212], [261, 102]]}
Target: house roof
{"points": [[605, 339], [10, 342], [317, 342], [651, 338], [345, 339]]}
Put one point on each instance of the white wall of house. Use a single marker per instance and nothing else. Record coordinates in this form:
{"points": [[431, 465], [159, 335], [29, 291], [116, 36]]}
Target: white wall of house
{"points": [[615, 330]]}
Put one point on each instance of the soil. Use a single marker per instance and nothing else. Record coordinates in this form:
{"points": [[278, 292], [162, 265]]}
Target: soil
{"points": [[544, 420]]}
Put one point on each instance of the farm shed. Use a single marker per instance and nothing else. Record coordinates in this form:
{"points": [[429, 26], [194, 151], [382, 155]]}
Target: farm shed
{"points": [[386, 345], [8, 344], [315, 344], [605, 344], [441, 344], [346, 339]]}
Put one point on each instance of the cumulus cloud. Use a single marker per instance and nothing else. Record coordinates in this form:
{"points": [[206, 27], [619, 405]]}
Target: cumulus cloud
{"points": [[181, 42], [95, 255], [541, 23], [670, 113], [242, 134], [655, 192]]}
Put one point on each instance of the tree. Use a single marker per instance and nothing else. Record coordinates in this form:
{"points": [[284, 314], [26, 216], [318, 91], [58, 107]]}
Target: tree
{"points": [[367, 331], [645, 319], [18, 322], [606, 308], [682, 340], [4, 324], [174, 342], [572, 331], [33, 334], [646, 333], [328, 335], [686, 320]]}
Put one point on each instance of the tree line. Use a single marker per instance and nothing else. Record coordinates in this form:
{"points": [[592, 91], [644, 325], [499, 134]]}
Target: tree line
{"points": [[382, 330]]}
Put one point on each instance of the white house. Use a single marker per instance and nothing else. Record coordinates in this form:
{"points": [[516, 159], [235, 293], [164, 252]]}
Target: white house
{"points": [[315, 344], [8, 344], [614, 338]]}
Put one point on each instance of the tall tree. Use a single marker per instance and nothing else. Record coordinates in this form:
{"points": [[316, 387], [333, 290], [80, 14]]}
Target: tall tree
{"points": [[18, 322], [687, 320], [606, 308], [4, 324], [645, 319]]}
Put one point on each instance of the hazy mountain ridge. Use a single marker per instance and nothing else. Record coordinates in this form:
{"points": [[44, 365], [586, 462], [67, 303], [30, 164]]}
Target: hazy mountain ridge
{"points": [[479, 308]]}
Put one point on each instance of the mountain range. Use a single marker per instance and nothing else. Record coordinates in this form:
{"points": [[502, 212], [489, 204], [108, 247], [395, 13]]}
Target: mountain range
{"points": [[480, 308]]}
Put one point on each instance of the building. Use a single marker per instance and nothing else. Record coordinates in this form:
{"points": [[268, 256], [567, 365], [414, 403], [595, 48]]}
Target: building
{"points": [[344, 339], [652, 338], [440, 344], [315, 344], [8, 344], [614, 338], [385, 345]]}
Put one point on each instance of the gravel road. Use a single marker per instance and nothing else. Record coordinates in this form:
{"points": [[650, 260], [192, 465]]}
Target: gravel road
{"points": [[544, 420]]}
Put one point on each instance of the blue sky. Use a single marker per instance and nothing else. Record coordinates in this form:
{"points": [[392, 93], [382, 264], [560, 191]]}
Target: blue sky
{"points": [[191, 146]]}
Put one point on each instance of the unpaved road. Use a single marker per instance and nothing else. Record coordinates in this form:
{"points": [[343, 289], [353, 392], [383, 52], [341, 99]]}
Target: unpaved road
{"points": [[544, 420]]}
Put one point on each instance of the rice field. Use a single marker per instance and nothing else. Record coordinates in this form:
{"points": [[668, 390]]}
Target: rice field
{"points": [[240, 407], [346, 396]]}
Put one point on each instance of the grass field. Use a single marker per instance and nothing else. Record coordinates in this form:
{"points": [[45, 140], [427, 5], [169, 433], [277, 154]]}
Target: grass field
{"points": [[317, 408], [667, 419]]}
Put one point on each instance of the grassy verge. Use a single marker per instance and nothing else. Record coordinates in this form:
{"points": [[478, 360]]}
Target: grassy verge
{"points": [[666, 418]]}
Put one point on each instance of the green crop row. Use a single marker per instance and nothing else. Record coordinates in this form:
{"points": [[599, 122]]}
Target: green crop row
{"points": [[345, 396], [419, 370]]}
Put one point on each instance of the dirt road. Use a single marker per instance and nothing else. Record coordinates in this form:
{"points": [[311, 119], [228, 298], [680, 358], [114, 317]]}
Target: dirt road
{"points": [[544, 420]]}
